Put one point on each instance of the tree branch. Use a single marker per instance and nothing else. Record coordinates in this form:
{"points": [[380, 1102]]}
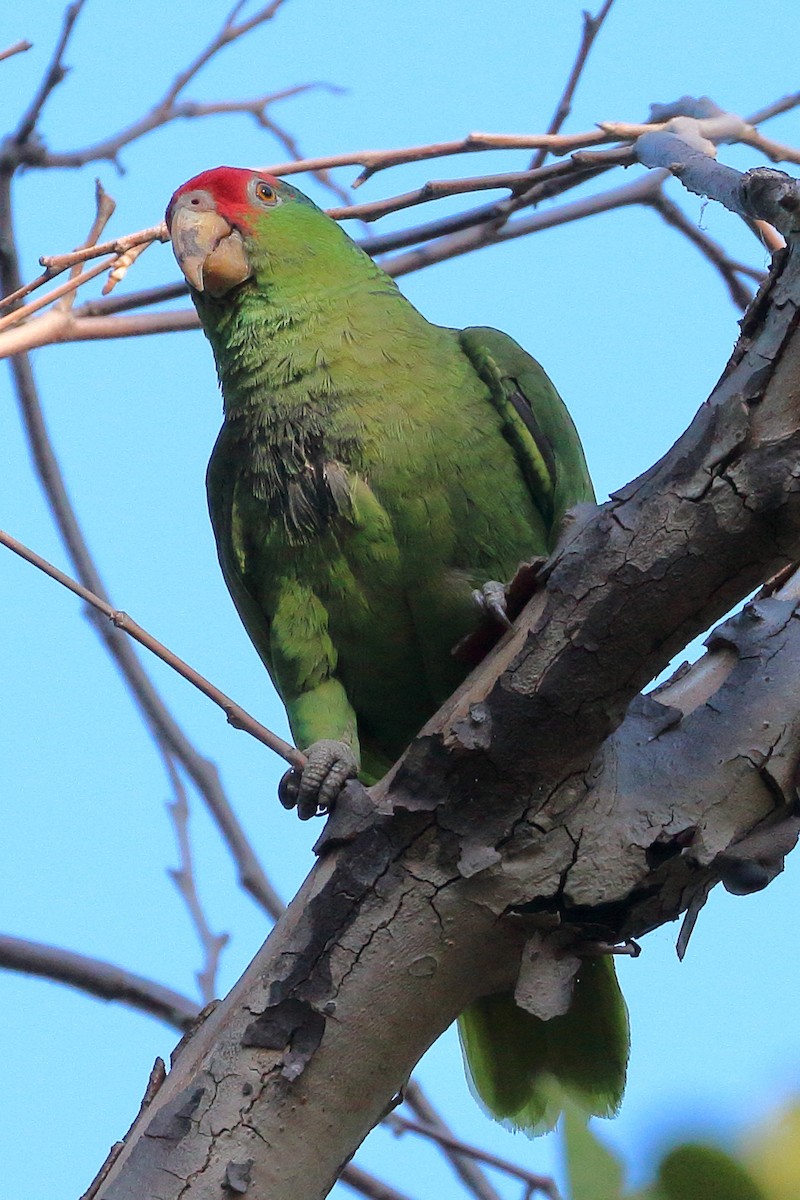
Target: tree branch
{"points": [[238, 717], [101, 979], [535, 1182], [463, 1164], [17, 48], [591, 28], [183, 877], [53, 76]]}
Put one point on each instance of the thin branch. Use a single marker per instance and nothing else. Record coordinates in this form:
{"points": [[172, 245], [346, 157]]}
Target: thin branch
{"points": [[775, 151], [437, 188], [236, 715], [534, 1182], [227, 34], [256, 106], [373, 161], [52, 77], [591, 28], [184, 879], [18, 48], [101, 979], [785, 104], [378, 160], [56, 264], [54, 327], [637, 192], [488, 220], [465, 1166], [142, 237], [64, 289], [104, 210], [367, 1185], [106, 306], [32, 152], [109, 148]]}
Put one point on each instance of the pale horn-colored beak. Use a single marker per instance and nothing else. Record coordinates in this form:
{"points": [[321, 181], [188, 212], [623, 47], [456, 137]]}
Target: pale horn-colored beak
{"points": [[209, 252]]}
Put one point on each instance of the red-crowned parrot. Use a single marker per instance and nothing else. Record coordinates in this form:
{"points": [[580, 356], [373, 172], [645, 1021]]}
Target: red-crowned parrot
{"points": [[373, 472]]}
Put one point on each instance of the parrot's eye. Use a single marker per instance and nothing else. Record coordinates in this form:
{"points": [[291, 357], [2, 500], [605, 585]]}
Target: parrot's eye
{"points": [[265, 193]]}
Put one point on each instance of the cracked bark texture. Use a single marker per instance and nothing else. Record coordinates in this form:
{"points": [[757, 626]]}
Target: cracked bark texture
{"points": [[547, 804]]}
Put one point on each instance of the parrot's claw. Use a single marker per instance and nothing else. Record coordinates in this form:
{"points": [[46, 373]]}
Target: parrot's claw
{"points": [[314, 790], [491, 600]]}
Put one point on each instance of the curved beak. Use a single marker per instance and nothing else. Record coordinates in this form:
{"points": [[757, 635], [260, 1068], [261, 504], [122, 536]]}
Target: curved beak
{"points": [[209, 251]]}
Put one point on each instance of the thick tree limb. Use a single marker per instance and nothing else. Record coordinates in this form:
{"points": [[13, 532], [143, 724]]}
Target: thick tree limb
{"points": [[545, 802]]}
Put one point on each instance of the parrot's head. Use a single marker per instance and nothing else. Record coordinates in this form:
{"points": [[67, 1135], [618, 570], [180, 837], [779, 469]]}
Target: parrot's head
{"points": [[216, 222]]}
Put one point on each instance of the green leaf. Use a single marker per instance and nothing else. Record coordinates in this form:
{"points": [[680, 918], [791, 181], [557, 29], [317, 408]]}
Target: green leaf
{"points": [[594, 1171], [693, 1171]]}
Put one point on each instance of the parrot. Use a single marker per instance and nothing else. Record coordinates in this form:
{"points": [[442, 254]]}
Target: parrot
{"points": [[375, 477]]}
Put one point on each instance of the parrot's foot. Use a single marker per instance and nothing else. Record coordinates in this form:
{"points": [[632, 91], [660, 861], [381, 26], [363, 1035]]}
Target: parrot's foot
{"points": [[314, 789], [499, 605], [491, 600]]}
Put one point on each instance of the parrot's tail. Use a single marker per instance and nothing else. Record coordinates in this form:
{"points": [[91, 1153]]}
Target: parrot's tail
{"points": [[522, 1069]]}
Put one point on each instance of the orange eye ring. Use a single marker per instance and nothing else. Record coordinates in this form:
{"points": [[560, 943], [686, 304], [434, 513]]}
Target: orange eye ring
{"points": [[265, 193]]}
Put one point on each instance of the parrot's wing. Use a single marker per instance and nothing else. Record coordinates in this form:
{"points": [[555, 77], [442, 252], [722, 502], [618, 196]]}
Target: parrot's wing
{"points": [[535, 422], [221, 483]]}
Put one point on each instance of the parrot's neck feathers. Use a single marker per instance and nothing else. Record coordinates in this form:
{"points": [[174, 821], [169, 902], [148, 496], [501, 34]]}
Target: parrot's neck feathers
{"points": [[307, 344]]}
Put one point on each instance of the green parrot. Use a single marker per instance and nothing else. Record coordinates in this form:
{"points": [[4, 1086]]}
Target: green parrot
{"points": [[372, 473]]}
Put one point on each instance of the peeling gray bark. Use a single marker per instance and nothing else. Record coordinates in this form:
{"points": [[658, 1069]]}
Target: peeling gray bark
{"points": [[548, 803]]}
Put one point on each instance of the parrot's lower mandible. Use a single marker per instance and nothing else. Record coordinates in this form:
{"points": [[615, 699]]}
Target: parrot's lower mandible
{"points": [[372, 473]]}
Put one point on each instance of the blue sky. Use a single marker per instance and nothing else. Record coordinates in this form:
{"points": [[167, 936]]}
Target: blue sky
{"points": [[633, 326]]}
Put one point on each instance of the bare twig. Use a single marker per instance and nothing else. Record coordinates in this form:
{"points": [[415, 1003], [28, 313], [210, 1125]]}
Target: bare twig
{"points": [[229, 32], [785, 104], [368, 1185], [437, 188], [237, 716], [637, 192], [142, 237], [465, 1167], [591, 28], [256, 106], [183, 877], [32, 152], [98, 978], [160, 115], [104, 210], [775, 151], [534, 1182], [56, 264], [373, 161], [52, 77], [64, 289], [18, 48], [116, 304], [55, 327]]}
